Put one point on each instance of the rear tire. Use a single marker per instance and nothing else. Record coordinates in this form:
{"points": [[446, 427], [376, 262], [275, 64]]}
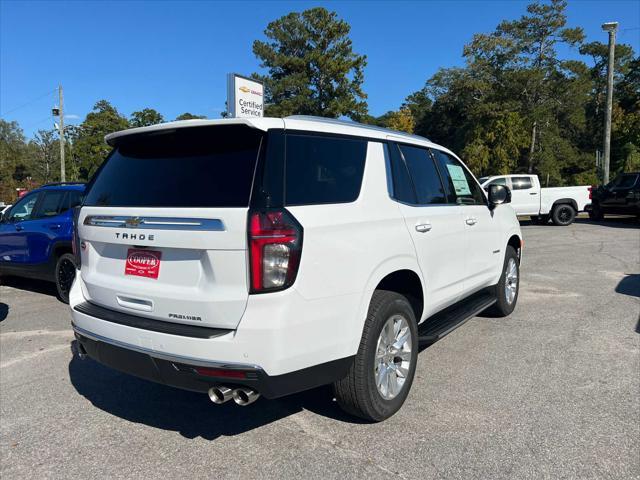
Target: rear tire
{"points": [[563, 214], [65, 273], [595, 213], [382, 372], [508, 287]]}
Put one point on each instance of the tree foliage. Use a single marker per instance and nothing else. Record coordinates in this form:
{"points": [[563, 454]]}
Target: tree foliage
{"points": [[311, 66], [517, 106], [190, 116], [145, 117]]}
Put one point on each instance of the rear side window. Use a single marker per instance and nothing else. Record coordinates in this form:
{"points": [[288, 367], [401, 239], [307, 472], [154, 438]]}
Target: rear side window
{"points": [[521, 183], [185, 167], [460, 184], [498, 181], [51, 204], [426, 180], [625, 181], [402, 184], [323, 169]]}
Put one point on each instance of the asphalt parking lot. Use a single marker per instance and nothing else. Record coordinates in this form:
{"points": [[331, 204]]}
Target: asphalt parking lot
{"points": [[553, 391]]}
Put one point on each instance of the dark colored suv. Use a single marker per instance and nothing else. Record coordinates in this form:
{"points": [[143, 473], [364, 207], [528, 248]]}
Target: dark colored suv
{"points": [[36, 233], [620, 196]]}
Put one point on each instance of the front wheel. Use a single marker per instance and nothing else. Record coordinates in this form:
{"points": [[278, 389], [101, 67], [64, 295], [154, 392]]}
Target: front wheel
{"points": [[563, 215], [508, 286], [382, 372], [64, 275]]}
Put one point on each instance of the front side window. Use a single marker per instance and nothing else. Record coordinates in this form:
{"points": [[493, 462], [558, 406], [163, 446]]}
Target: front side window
{"points": [[460, 184], [185, 167], [23, 209], [321, 170], [521, 183], [426, 180]]}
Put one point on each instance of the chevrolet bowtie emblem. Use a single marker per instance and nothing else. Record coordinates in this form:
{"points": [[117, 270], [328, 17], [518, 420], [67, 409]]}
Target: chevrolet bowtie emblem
{"points": [[133, 222]]}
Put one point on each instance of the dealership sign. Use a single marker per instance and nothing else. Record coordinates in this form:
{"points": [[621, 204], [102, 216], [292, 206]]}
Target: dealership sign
{"points": [[244, 96]]}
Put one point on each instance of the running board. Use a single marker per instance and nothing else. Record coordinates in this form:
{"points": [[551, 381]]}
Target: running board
{"points": [[446, 321]]}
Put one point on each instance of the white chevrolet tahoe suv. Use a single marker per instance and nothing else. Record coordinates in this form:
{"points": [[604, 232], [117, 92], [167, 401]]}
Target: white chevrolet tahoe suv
{"points": [[248, 257]]}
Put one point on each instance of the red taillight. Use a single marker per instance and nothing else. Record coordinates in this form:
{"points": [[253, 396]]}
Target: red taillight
{"points": [[75, 239], [217, 372], [275, 245], [591, 189]]}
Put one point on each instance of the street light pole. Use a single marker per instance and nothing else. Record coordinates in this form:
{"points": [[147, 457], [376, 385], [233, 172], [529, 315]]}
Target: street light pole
{"points": [[610, 27], [63, 174]]}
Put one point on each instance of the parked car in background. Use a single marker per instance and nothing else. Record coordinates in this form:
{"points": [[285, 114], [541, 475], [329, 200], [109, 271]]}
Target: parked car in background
{"points": [[4, 208], [36, 235], [305, 252], [620, 196], [560, 204]]}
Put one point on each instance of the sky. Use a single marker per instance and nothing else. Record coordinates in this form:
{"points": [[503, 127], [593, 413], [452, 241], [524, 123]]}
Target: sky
{"points": [[174, 56]]}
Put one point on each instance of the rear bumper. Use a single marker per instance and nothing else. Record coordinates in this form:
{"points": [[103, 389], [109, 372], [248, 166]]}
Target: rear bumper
{"points": [[183, 373]]}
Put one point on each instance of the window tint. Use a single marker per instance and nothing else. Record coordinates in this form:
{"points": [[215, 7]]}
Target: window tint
{"points": [[497, 181], [425, 176], [72, 199], [521, 183], [402, 186], [323, 169], [23, 208], [461, 186], [186, 167], [51, 204], [625, 181]]}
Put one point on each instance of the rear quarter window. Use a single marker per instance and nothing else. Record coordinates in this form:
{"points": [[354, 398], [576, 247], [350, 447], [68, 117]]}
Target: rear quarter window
{"points": [[321, 170]]}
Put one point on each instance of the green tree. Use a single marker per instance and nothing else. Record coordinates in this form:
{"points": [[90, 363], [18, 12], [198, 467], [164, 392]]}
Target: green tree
{"points": [[145, 117], [46, 156], [311, 66], [190, 116], [89, 147], [13, 156], [402, 120]]}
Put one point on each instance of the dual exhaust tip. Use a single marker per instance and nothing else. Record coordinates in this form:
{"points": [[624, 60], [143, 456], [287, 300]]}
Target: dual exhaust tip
{"points": [[242, 396]]}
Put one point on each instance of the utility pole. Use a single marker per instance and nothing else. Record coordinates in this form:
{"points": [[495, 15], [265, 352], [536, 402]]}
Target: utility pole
{"points": [[610, 27], [63, 175]]}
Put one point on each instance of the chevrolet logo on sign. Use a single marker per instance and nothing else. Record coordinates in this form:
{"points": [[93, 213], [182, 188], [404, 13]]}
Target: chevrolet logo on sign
{"points": [[244, 89]]}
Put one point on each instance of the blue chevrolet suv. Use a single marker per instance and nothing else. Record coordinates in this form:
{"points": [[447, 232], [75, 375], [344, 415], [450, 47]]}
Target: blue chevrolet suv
{"points": [[36, 235]]}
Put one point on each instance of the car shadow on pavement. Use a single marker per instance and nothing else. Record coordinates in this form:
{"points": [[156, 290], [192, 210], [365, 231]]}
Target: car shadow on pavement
{"points": [[31, 285], [189, 413], [4, 311], [629, 285]]}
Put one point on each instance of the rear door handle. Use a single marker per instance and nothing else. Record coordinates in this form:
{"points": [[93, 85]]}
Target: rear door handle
{"points": [[423, 227], [471, 221], [533, 193], [19, 228], [54, 226]]}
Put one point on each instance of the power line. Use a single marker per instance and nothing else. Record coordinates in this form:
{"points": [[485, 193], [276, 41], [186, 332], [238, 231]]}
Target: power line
{"points": [[29, 103]]}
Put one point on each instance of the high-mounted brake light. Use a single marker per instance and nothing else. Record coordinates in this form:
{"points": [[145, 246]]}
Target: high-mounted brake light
{"points": [[275, 246]]}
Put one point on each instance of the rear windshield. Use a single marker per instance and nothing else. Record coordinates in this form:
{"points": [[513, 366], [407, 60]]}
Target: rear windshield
{"points": [[187, 167]]}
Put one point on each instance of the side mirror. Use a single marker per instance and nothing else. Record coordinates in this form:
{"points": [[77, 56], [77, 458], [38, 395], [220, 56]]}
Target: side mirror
{"points": [[499, 194]]}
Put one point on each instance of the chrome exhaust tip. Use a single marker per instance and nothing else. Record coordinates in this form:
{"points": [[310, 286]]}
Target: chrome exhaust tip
{"points": [[220, 394], [245, 396], [82, 353]]}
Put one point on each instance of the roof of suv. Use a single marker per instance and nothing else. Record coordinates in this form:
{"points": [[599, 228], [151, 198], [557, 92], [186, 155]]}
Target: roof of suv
{"points": [[296, 122], [62, 186]]}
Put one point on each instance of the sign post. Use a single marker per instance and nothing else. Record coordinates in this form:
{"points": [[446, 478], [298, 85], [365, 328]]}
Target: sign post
{"points": [[245, 96]]}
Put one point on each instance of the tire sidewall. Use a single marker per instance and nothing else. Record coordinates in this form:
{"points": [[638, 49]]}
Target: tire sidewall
{"points": [[505, 308], [556, 214], [385, 408], [62, 295]]}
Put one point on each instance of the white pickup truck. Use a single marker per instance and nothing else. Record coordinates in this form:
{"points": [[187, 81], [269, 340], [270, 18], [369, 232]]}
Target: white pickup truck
{"points": [[561, 204]]}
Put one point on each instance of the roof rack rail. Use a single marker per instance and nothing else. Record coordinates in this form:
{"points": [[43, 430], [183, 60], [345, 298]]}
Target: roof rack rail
{"points": [[352, 123], [56, 184]]}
